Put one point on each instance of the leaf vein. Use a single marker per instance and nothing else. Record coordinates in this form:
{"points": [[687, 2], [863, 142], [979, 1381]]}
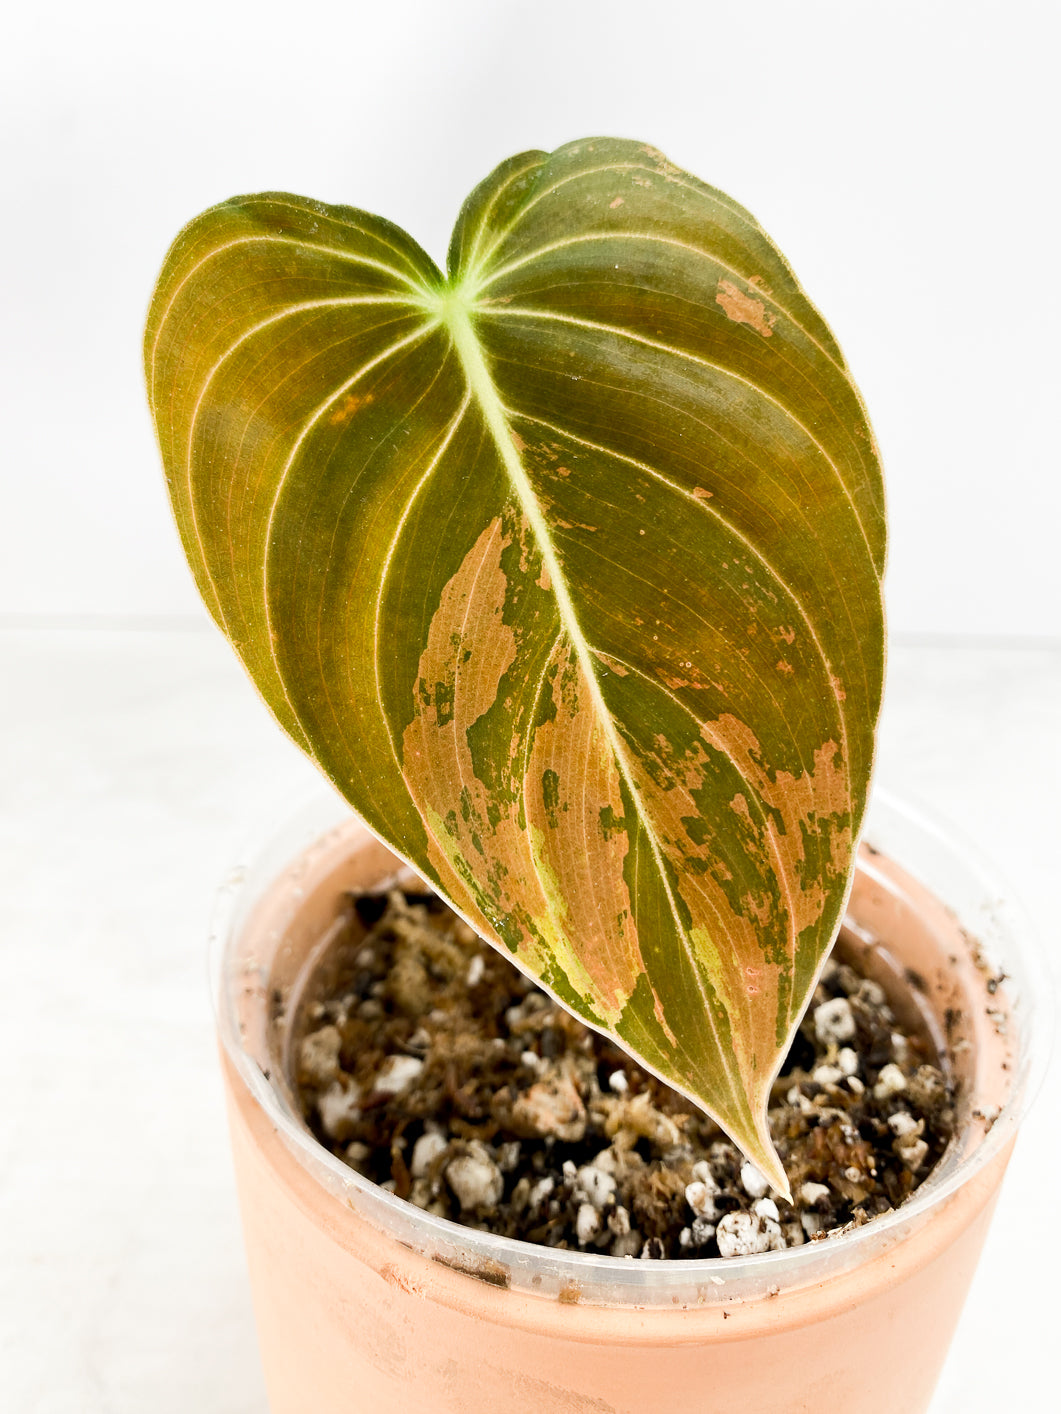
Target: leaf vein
{"points": [[287, 312], [263, 240], [713, 196], [712, 511], [679, 245], [304, 432], [511, 312]]}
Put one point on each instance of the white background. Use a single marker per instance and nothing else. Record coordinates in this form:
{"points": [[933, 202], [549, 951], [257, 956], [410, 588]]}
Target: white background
{"points": [[903, 155]]}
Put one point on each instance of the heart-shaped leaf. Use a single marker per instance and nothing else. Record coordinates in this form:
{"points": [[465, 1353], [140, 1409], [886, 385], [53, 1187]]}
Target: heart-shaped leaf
{"points": [[565, 568]]}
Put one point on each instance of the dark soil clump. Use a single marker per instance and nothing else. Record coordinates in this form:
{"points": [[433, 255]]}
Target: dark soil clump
{"points": [[427, 1062]]}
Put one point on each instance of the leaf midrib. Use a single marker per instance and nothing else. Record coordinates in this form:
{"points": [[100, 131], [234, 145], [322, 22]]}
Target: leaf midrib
{"points": [[482, 386]]}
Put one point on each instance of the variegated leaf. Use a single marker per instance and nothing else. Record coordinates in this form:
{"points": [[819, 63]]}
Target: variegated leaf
{"points": [[565, 568]]}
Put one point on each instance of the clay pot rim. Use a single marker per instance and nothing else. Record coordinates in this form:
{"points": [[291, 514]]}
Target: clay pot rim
{"points": [[998, 923]]}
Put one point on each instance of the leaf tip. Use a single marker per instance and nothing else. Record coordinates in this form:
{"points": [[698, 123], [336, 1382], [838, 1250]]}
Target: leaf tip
{"points": [[758, 1147]]}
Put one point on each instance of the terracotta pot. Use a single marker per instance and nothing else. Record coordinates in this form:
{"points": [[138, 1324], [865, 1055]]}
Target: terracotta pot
{"points": [[364, 1302]]}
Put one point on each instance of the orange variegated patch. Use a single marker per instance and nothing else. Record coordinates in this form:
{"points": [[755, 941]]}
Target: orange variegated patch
{"points": [[577, 826]]}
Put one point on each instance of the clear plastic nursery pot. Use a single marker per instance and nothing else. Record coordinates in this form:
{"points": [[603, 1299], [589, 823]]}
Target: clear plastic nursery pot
{"points": [[364, 1302]]}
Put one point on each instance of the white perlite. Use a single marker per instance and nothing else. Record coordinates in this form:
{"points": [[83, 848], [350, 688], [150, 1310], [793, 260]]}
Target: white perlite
{"points": [[701, 1200], [702, 1174], [587, 1223], [475, 1178], [813, 1193], [913, 1152], [338, 1105], [319, 1055], [702, 1232], [901, 1124], [766, 1208], [508, 1155], [847, 1060], [619, 1221], [827, 1075], [476, 968], [597, 1185], [926, 1086], [745, 1234], [891, 1081], [752, 1181], [606, 1161], [908, 1144], [426, 1149], [396, 1073], [541, 1190], [834, 1022], [618, 1082], [872, 992]]}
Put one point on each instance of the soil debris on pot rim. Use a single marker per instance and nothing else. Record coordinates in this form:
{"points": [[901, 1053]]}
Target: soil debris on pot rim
{"points": [[430, 1064]]}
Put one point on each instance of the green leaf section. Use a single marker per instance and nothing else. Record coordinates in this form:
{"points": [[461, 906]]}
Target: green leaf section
{"points": [[565, 568]]}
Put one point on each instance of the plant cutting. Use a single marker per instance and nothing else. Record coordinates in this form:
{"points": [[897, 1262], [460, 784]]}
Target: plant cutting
{"points": [[564, 567]]}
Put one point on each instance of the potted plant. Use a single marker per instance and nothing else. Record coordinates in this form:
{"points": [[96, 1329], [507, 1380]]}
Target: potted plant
{"points": [[565, 569]]}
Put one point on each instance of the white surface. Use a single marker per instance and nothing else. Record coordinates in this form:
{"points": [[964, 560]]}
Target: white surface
{"points": [[132, 766], [903, 156]]}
